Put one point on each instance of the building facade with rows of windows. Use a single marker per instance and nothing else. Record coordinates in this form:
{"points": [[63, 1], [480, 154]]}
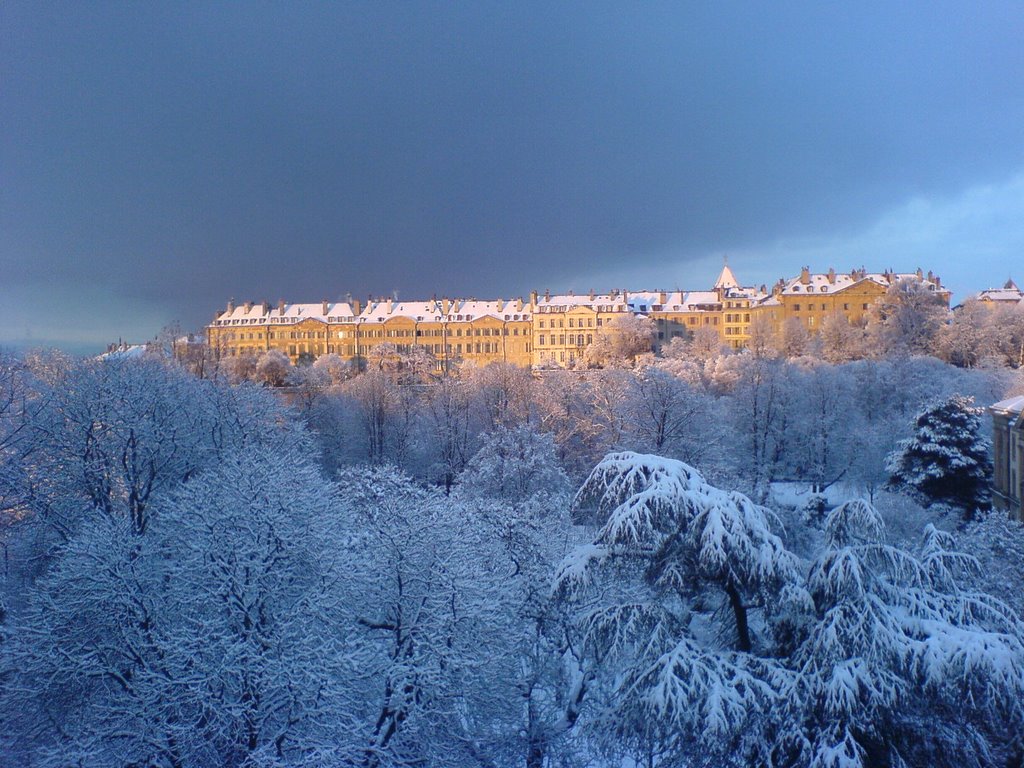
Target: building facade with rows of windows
{"points": [[1008, 456], [545, 330]]}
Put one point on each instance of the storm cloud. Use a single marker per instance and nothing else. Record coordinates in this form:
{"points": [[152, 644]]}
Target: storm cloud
{"points": [[158, 159]]}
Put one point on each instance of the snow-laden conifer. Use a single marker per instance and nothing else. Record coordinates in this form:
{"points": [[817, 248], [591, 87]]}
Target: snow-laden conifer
{"points": [[947, 460], [664, 598], [903, 666]]}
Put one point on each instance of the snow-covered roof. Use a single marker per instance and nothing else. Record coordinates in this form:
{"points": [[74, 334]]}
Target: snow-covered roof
{"points": [[726, 279], [263, 314], [599, 302], [818, 283], [1012, 405], [472, 309], [373, 312], [1008, 294]]}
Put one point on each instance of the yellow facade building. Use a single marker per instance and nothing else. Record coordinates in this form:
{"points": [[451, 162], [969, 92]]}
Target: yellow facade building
{"points": [[1007, 296], [451, 331], [545, 330], [810, 298]]}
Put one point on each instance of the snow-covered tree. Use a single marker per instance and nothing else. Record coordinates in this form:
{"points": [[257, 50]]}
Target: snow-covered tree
{"points": [[514, 465], [906, 319], [664, 415], [1006, 329], [514, 487], [333, 368], [664, 599], [238, 368], [619, 342], [272, 368], [840, 341], [903, 666], [817, 445], [501, 394], [449, 434], [204, 640], [793, 339], [947, 460], [969, 337], [758, 409], [435, 622], [386, 413]]}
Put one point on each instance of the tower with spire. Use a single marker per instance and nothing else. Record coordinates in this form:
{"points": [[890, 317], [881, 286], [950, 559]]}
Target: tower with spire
{"points": [[726, 280]]}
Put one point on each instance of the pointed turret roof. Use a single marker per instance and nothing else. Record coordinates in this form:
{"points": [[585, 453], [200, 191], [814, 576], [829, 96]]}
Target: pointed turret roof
{"points": [[727, 279], [1010, 285]]}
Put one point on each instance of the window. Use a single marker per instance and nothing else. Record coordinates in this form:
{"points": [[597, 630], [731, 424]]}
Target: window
{"points": [[541, 340], [796, 307]]}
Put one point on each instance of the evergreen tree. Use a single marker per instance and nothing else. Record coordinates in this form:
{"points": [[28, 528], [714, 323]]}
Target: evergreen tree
{"points": [[947, 460]]}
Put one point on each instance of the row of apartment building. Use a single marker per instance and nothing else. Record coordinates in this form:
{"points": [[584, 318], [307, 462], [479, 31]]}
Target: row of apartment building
{"points": [[545, 330]]}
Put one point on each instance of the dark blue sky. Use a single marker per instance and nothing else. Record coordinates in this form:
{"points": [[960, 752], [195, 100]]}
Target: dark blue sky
{"points": [[158, 159]]}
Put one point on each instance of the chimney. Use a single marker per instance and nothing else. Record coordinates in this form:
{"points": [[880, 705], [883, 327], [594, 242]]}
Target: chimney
{"points": [[938, 281], [391, 306], [248, 306], [446, 306], [591, 294], [280, 306], [805, 275], [533, 298], [920, 274], [662, 298], [519, 304], [931, 277], [323, 307], [231, 306], [547, 295], [831, 276], [264, 307], [356, 307]]}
